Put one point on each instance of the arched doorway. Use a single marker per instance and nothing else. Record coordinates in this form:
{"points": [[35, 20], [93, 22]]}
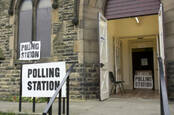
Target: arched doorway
{"points": [[131, 25]]}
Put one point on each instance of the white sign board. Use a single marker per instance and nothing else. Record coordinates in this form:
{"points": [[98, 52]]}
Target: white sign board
{"points": [[30, 50], [143, 79], [42, 80]]}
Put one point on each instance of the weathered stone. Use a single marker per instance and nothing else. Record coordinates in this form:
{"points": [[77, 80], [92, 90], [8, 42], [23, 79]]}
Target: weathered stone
{"points": [[73, 44]]}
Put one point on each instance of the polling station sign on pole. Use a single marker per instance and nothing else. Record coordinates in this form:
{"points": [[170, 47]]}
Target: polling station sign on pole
{"points": [[30, 50], [42, 80]]}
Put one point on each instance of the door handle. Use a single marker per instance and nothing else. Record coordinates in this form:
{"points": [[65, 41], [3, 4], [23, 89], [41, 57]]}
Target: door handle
{"points": [[101, 65]]}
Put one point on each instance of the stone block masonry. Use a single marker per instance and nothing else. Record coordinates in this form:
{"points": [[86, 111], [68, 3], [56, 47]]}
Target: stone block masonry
{"points": [[9, 75], [70, 43], [169, 46], [84, 80], [170, 77]]}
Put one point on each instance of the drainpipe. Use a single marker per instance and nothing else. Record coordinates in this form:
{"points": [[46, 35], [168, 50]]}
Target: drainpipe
{"points": [[55, 4], [10, 10], [75, 19]]}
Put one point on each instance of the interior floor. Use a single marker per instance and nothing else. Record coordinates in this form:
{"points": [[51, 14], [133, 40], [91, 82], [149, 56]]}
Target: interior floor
{"points": [[138, 93]]}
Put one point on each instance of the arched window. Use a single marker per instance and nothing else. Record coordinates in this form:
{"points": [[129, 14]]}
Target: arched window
{"points": [[43, 26], [25, 22]]}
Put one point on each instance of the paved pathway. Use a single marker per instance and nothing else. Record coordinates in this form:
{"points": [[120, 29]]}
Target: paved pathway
{"points": [[112, 106]]}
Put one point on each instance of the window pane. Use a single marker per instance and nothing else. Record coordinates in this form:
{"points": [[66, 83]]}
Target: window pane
{"points": [[25, 22], [44, 26]]}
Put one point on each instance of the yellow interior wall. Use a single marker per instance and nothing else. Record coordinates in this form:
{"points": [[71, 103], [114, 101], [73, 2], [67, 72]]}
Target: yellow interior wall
{"points": [[110, 51], [111, 35], [126, 28]]}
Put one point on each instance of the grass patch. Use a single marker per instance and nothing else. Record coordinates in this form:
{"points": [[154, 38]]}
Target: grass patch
{"points": [[8, 113], [24, 99], [2, 113]]}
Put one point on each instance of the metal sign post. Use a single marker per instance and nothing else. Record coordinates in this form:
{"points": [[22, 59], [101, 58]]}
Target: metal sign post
{"points": [[20, 92], [28, 51], [41, 79]]}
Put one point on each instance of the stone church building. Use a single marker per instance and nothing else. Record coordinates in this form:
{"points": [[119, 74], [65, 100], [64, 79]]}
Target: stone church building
{"points": [[124, 37]]}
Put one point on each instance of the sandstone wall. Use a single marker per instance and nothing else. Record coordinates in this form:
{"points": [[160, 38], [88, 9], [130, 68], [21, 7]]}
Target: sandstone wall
{"points": [[169, 44], [64, 47]]}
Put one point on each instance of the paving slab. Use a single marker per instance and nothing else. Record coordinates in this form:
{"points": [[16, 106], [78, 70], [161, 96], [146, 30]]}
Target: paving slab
{"points": [[112, 106]]}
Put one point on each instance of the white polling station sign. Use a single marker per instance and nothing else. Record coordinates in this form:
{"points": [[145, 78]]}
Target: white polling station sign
{"points": [[30, 50], [42, 80], [143, 79]]}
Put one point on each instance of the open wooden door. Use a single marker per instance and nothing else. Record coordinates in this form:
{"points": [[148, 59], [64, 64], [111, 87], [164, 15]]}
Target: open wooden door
{"points": [[103, 51], [161, 35]]}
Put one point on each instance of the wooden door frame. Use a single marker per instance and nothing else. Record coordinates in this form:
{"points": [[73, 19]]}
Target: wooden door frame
{"points": [[149, 44]]}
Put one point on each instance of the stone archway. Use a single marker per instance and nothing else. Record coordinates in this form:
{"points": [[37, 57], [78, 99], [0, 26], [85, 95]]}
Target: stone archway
{"points": [[169, 35], [99, 4], [89, 37], [87, 44], [90, 27]]}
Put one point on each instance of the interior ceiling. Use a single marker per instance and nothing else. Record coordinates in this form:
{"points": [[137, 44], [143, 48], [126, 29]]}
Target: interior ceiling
{"points": [[148, 25]]}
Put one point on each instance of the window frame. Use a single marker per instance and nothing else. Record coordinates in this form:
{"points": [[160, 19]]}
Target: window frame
{"points": [[36, 27], [17, 6]]}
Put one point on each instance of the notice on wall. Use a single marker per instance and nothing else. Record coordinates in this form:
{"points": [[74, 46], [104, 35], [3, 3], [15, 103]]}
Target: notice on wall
{"points": [[144, 62], [42, 80], [143, 79], [30, 50]]}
